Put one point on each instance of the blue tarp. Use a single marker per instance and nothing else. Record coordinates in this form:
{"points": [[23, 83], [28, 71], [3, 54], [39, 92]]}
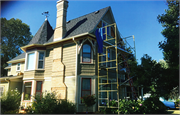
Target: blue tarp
{"points": [[100, 37]]}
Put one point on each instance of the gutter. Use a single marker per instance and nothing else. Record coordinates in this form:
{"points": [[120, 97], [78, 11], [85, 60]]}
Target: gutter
{"points": [[8, 83], [76, 89], [14, 61]]}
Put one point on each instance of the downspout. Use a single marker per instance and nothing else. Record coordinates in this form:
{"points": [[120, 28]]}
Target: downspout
{"points": [[76, 89]]}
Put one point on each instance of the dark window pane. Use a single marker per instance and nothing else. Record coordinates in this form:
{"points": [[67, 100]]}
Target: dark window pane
{"points": [[86, 84], [86, 48], [39, 86], [41, 55], [40, 64], [85, 93]]}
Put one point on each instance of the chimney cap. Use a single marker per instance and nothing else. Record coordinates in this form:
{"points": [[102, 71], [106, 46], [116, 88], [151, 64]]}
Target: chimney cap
{"points": [[61, 1]]}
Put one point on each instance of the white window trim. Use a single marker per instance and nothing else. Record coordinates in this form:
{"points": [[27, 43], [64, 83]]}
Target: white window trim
{"points": [[18, 66], [36, 60], [41, 60], [2, 91]]}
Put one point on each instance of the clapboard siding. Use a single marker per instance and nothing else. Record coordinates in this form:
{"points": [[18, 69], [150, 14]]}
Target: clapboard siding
{"points": [[34, 74], [48, 63], [69, 58], [13, 69]]}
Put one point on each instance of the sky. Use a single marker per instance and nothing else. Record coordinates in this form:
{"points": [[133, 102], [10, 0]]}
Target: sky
{"points": [[133, 17]]}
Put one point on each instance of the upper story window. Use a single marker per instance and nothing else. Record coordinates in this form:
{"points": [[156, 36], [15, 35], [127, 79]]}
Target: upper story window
{"points": [[18, 67], [41, 60], [86, 53], [108, 28], [35, 60]]}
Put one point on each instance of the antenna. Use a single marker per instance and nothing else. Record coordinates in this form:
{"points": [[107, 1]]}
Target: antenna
{"points": [[46, 14]]}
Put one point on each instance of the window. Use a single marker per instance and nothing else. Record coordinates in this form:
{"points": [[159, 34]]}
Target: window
{"points": [[108, 28], [86, 87], [86, 53], [109, 57], [41, 60], [31, 61], [27, 90], [38, 87], [35, 60], [18, 67]]}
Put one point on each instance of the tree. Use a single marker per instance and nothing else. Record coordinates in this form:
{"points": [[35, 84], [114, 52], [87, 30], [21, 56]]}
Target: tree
{"points": [[155, 79], [170, 22], [14, 34]]}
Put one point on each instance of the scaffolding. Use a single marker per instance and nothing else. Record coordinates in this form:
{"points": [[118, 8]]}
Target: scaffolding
{"points": [[110, 79]]}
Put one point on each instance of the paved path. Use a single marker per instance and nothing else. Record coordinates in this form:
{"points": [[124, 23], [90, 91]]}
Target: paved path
{"points": [[174, 112]]}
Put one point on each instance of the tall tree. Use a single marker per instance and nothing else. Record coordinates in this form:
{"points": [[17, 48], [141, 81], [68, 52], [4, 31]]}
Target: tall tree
{"points": [[170, 22], [14, 34]]}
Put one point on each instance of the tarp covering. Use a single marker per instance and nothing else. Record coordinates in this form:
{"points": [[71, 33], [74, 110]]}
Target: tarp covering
{"points": [[100, 37]]}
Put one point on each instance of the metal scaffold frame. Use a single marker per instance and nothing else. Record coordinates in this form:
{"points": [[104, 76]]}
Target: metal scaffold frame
{"points": [[111, 43]]}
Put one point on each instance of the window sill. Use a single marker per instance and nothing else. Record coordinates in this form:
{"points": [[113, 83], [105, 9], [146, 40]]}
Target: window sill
{"points": [[18, 70], [35, 70]]}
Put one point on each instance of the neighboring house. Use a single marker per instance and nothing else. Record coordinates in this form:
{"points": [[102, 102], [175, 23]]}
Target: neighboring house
{"points": [[62, 60]]}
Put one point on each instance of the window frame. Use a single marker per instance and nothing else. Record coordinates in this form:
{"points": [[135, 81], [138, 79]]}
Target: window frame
{"points": [[41, 60], [36, 60], [25, 91], [82, 85], [91, 54], [18, 66], [41, 87], [1, 93]]}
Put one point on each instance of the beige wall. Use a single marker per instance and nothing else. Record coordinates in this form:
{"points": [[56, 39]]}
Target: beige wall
{"points": [[69, 58], [14, 67], [16, 85], [71, 89], [5, 85]]}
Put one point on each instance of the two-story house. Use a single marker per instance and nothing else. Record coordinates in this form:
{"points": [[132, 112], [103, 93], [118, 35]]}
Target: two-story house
{"points": [[64, 59]]}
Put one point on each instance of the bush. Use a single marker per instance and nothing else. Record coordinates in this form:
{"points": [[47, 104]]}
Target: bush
{"points": [[49, 104], [10, 102], [154, 106], [177, 102]]}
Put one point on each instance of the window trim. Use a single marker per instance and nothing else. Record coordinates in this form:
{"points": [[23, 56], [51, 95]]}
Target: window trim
{"points": [[40, 60], [36, 58], [25, 89], [41, 87], [2, 91], [18, 66]]}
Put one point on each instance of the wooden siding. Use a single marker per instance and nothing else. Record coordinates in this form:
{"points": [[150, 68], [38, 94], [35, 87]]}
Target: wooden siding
{"points": [[13, 69], [34, 74], [69, 58], [16, 85], [48, 63]]}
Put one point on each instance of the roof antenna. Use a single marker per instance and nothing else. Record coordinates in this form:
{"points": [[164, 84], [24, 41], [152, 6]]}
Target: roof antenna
{"points": [[46, 14]]}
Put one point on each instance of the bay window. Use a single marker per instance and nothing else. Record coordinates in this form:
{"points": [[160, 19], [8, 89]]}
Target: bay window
{"points": [[38, 87], [85, 87], [27, 90], [35, 60]]}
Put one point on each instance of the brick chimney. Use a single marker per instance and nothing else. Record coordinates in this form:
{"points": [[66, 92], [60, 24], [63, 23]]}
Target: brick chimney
{"points": [[60, 29]]}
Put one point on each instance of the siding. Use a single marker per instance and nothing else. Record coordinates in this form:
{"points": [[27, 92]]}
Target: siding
{"points": [[5, 85], [34, 74], [13, 69], [13, 85], [69, 58], [71, 88]]}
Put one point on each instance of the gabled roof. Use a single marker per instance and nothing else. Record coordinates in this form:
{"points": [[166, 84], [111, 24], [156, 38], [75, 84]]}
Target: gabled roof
{"points": [[83, 24], [80, 25], [43, 34]]}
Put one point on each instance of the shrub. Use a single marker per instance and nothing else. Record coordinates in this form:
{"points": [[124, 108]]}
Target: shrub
{"points": [[154, 106], [177, 102], [10, 102], [49, 104]]}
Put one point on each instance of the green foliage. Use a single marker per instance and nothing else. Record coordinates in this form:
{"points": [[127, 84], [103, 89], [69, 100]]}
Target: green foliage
{"points": [[49, 104], [153, 105], [177, 103], [14, 34], [170, 22], [10, 102], [88, 100]]}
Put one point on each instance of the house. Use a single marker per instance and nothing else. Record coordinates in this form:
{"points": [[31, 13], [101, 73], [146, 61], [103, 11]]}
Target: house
{"points": [[66, 60]]}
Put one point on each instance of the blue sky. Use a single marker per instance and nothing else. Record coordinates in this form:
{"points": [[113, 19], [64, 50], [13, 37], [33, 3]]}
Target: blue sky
{"points": [[138, 18]]}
